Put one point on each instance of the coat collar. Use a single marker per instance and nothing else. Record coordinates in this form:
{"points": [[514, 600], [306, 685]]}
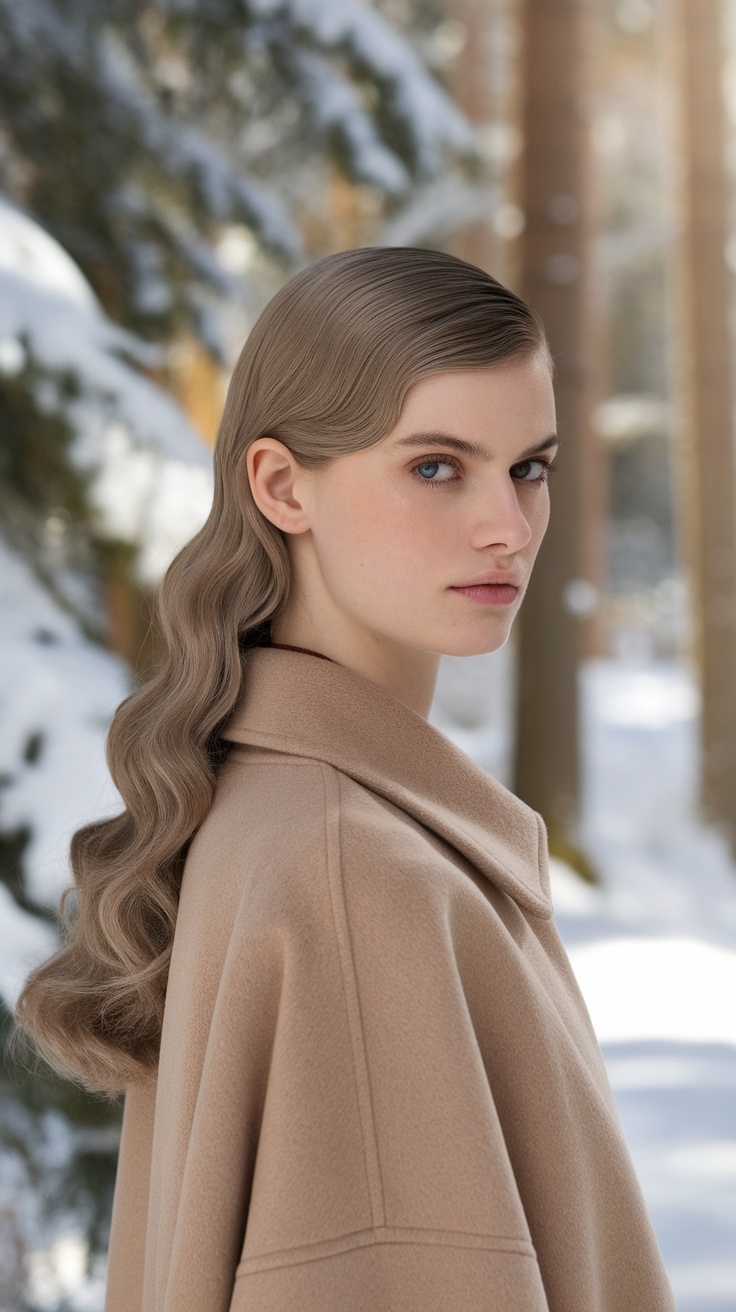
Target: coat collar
{"points": [[295, 703]]}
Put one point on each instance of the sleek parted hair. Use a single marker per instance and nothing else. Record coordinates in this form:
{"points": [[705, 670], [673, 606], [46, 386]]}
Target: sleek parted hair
{"points": [[325, 370]]}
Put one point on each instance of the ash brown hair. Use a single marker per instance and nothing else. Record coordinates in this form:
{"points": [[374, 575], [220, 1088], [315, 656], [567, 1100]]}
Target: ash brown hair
{"points": [[325, 370]]}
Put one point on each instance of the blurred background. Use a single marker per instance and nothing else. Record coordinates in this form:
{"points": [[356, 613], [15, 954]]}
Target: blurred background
{"points": [[164, 167]]}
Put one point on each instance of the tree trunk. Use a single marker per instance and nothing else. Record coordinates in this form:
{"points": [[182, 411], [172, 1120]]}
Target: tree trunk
{"points": [[553, 248], [707, 476], [477, 86]]}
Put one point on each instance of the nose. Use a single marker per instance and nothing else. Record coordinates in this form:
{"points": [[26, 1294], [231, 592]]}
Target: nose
{"points": [[500, 520]]}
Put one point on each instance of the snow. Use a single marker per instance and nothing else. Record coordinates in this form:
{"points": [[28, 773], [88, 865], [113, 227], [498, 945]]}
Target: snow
{"points": [[141, 497], [662, 998], [185, 152], [152, 471], [46, 301], [662, 985], [56, 684], [30, 252], [439, 207], [371, 42], [336, 108], [60, 1272], [24, 941], [40, 1191], [654, 951]]}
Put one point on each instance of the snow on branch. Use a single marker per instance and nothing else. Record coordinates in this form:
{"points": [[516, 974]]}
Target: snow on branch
{"points": [[46, 303], [186, 154], [373, 48], [52, 731], [152, 473], [437, 209], [336, 109]]}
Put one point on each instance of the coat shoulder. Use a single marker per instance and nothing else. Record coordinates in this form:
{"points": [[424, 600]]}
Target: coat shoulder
{"points": [[263, 839], [278, 823]]}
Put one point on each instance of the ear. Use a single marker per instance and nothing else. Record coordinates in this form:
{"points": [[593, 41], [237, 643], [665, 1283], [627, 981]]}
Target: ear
{"points": [[278, 484]]}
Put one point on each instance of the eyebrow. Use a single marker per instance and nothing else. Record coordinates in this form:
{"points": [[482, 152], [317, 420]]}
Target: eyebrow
{"points": [[471, 449]]}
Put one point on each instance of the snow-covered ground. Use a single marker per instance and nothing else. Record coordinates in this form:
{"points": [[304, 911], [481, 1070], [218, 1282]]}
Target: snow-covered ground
{"points": [[655, 955], [654, 949]]}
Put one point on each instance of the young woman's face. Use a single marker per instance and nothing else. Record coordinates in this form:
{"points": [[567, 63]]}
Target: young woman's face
{"points": [[397, 527]]}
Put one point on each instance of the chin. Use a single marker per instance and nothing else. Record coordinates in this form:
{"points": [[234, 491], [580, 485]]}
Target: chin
{"points": [[475, 645]]}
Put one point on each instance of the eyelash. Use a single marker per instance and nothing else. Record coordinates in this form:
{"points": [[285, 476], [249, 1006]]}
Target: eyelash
{"points": [[548, 465]]}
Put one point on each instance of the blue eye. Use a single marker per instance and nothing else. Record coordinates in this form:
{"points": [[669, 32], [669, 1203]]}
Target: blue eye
{"points": [[433, 464]]}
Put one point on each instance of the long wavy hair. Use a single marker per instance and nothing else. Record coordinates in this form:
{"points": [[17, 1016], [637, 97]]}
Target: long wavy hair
{"points": [[325, 370]]}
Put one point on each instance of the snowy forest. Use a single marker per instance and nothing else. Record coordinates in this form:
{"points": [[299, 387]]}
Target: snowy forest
{"points": [[164, 167]]}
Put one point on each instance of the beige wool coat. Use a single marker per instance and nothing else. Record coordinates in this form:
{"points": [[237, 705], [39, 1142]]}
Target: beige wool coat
{"points": [[379, 1088]]}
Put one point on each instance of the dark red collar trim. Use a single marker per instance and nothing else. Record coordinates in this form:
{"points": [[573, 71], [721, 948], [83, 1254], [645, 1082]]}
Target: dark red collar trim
{"points": [[307, 650]]}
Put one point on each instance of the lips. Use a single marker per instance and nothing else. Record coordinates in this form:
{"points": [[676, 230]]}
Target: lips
{"points": [[490, 594], [499, 578]]}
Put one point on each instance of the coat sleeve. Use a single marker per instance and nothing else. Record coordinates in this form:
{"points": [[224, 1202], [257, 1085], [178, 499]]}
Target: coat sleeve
{"points": [[380, 1179]]}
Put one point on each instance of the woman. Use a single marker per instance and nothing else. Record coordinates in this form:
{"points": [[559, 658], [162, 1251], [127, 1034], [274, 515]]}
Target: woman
{"points": [[317, 949]]}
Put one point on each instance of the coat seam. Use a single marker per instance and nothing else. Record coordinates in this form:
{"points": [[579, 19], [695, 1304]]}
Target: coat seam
{"points": [[361, 1073], [383, 1236]]}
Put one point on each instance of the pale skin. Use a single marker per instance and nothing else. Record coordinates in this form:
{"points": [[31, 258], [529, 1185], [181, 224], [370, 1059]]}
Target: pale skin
{"points": [[375, 550]]}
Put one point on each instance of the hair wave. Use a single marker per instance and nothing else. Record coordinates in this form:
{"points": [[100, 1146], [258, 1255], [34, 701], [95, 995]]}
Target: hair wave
{"points": [[325, 370]]}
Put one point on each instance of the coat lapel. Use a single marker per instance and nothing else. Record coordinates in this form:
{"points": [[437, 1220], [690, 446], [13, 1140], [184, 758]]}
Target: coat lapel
{"points": [[295, 703]]}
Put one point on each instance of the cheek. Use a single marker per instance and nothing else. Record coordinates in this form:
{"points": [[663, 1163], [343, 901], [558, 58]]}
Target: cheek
{"points": [[367, 534]]}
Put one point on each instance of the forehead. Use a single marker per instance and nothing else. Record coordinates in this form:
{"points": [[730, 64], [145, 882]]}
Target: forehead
{"points": [[475, 409]]}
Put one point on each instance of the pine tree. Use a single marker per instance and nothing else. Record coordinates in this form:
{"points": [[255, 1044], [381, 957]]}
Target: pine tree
{"points": [[133, 131]]}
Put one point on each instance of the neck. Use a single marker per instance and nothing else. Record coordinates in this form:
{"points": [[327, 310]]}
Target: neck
{"points": [[408, 674]]}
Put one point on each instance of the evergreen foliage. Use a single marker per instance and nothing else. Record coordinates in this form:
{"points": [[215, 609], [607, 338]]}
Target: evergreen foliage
{"points": [[133, 130]]}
